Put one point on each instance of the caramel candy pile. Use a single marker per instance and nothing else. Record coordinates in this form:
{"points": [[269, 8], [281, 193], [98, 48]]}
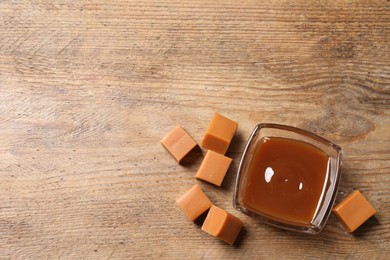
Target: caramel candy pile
{"points": [[213, 168]]}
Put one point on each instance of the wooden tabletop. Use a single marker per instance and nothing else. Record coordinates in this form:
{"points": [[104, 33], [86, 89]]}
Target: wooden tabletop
{"points": [[89, 88]]}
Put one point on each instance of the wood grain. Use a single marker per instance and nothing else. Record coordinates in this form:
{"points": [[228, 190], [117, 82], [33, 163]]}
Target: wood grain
{"points": [[88, 89]]}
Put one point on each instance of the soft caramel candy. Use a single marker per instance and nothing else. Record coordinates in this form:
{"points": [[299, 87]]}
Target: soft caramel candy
{"points": [[354, 210], [194, 203], [219, 134], [213, 168], [222, 225], [178, 143]]}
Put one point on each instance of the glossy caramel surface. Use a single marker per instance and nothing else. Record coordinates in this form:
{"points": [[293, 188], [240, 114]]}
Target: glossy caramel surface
{"points": [[285, 180]]}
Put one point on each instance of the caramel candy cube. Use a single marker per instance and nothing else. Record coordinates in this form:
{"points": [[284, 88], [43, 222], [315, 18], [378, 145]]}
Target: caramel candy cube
{"points": [[178, 143], [194, 203], [219, 134], [353, 211], [213, 168], [222, 225]]}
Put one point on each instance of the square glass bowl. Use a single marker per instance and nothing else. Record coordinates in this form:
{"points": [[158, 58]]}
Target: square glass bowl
{"points": [[288, 178]]}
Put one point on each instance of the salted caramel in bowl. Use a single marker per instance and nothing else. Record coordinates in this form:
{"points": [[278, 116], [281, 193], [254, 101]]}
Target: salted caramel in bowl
{"points": [[288, 178]]}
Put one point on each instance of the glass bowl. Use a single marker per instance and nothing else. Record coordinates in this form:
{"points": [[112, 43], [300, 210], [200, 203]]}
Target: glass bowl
{"points": [[288, 178]]}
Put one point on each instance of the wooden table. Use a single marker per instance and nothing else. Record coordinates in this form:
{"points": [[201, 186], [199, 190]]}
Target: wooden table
{"points": [[89, 88]]}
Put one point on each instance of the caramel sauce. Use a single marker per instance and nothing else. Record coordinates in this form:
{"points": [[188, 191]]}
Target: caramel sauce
{"points": [[286, 180]]}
